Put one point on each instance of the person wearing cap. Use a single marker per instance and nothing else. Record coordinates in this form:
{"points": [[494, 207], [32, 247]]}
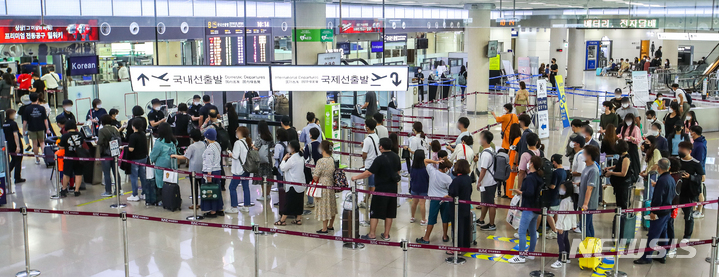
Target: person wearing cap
{"points": [[66, 114], [205, 109], [617, 100], [156, 116], [194, 110], [211, 165], [626, 108]]}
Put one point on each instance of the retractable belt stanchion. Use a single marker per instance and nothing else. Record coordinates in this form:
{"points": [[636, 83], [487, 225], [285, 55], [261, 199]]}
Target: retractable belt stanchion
{"points": [[193, 192], [353, 234], [57, 182], [541, 272], [599, 105], [368, 203], [352, 138], [713, 257], [405, 266], [27, 271], [455, 224], [618, 244], [256, 230], [564, 263], [264, 206], [126, 248], [118, 205], [709, 259]]}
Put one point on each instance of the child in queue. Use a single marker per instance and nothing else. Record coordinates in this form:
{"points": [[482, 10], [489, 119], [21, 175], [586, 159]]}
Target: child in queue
{"points": [[565, 222]]}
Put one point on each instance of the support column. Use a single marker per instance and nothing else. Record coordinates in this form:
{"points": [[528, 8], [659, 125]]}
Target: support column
{"points": [[670, 51], [308, 15], [557, 38], [575, 62], [475, 44]]}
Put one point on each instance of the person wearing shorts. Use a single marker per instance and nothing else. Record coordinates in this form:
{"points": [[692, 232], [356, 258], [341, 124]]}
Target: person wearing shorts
{"points": [[370, 151], [439, 182], [36, 124], [71, 142], [487, 185], [386, 169]]}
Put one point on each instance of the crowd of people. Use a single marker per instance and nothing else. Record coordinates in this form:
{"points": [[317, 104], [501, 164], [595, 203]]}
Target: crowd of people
{"points": [[672, 149]]}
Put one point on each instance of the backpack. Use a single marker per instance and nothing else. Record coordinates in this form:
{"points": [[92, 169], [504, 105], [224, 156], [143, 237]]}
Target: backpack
{"points": [[547, 168], [265, 155], [501, 167], [275, 170], [282, 105], [252, 161], [461, 80], [689, 98], [223, 138], [106, 151]]}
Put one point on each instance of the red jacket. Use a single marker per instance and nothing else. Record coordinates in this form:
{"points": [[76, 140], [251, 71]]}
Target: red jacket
{"points": [[24, 81]]}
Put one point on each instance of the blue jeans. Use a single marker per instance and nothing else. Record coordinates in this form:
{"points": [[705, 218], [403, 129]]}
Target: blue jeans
{"points": [[657, 234], [589, 226], [245, 190], [139, 171], [108, 166], [528, 223]]}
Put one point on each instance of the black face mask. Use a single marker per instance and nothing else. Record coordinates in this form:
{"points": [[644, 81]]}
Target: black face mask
{"points": [[683, 154]]}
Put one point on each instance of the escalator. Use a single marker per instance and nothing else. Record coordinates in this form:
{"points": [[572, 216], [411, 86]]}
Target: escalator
{"points": [[693, 80]]}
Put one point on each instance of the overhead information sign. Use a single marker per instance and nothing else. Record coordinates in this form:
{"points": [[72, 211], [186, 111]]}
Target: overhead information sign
{"points": [[619, 23], [200, 78], [339, 78], [542, 109]]}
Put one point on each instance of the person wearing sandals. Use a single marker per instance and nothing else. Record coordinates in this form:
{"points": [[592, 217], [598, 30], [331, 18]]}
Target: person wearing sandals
{"points": [[211, 165], [323, 174], [194, 155], [439, 182], [293, 168]]}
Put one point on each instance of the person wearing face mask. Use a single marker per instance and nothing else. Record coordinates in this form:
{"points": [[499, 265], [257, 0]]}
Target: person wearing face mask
{"points": [[239, 156], [292, 166], [693, 176], [619, 175], [95, 114], [617, 100], [553, 70], [531, 186], [658, 103], [370, 151], [420, 87], [608, 117], [565, 222], [194, 110], [631, 133], [626, 109], [156, 116], [651, 155], [690, 121], [651, 119], [506, 120], [13, 139], [66, 114], [579, 164], [671, 119], [576, 128], [661, 143], [699, 152], [417, 142], [588, 134], [462, 125], [675, 139]]}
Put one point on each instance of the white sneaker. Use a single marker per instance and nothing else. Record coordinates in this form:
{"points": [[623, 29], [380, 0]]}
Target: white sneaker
{"points": [[557, 264], [531, 258], [133, 198], [516, 235], [517, 260], [260, 199], [672, 252], [551, 235], [698, 215], [142, 196], [576, 230], [232, 210], [683, 241], [244, 209]]}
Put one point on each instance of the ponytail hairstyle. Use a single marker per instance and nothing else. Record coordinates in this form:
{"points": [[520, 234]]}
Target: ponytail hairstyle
{"points": [[245, 134], [538, 165], [417, 126], [327, 146]]}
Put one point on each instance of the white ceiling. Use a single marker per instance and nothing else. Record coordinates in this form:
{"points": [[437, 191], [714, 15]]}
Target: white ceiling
{"points": [[549, 4]]}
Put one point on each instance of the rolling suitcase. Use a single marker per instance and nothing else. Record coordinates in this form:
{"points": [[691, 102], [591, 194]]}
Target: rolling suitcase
{"points": [[171, 199], [599, 71], [474, 228], [49, 155], [589, 245], [647, 202], [627, 223], [350, 221]]}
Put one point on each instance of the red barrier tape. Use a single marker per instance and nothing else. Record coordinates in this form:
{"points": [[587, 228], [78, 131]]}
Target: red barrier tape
{"points": [[308, 185], [671, 207], [6, 210], [66, 158], [344, 141], [482, 250], [348, 154], [189, 222], [45, 211], [157, 167]]}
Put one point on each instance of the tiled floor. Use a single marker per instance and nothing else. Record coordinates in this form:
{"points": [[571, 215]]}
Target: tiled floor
{"points": [[63, 245]]}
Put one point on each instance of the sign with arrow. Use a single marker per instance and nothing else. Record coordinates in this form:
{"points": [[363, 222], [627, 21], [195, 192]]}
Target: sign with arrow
{"points": [[542, 109], [340, 78], [199, 78]]}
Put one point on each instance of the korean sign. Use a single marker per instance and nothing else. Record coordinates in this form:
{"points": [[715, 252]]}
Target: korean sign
{"points": [[28, 33], [199, 78], [562, 101], [316, 35], [542, 108], [639, 23], [361, 26], [339, 78]]}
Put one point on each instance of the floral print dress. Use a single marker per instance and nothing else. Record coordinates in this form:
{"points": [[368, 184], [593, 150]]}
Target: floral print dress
{"points": [[325, 206]]}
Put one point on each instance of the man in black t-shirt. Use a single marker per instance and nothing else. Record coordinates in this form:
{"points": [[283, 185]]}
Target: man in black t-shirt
{"points": [[14, 143], [72, 143], [205, 110], [36, 125], [66, 114], [156, 116], [553, 69], [692, 177], [249, 97], [194, 110], [291, 131], [180, 123], [38, 86], [386, 169]]}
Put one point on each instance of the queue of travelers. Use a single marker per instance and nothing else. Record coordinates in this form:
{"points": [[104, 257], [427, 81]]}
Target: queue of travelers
{"points": [[197, 135]]}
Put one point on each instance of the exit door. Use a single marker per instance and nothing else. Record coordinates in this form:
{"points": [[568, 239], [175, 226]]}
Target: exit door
{"points": [[644, 50]]}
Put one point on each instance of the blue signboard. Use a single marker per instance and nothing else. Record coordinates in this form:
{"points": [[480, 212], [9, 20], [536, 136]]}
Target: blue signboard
{"points": [[82, 65], [377, 46], [345, 46]]}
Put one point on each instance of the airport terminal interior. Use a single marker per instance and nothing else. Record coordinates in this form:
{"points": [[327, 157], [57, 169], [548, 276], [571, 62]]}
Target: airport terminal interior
{"points": [[114, 110]]}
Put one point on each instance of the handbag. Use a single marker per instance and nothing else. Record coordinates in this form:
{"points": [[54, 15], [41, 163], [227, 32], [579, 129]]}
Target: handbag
{"points": [[314, 191], [169, 177], [210, 191]]}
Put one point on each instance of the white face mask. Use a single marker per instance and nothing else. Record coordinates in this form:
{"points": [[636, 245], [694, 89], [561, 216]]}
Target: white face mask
{"points": [[529, 165], [660, 98], [562, 192], [689, 118], [571, 144], [419, 70], [625, 105], [196, 103], [68, 108], [653, 132], [617, 96], [156, 108], [99, 106], [628, 122]]}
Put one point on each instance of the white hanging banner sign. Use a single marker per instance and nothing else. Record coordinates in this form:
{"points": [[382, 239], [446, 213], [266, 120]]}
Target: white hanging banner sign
{"points": [[542, 109], [339, 78], [641, 87], [199, 78]]}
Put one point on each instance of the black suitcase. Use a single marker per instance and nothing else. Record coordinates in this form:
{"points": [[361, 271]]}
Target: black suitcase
{"points": [[349, 221], [49, 155], [171, 199]]}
